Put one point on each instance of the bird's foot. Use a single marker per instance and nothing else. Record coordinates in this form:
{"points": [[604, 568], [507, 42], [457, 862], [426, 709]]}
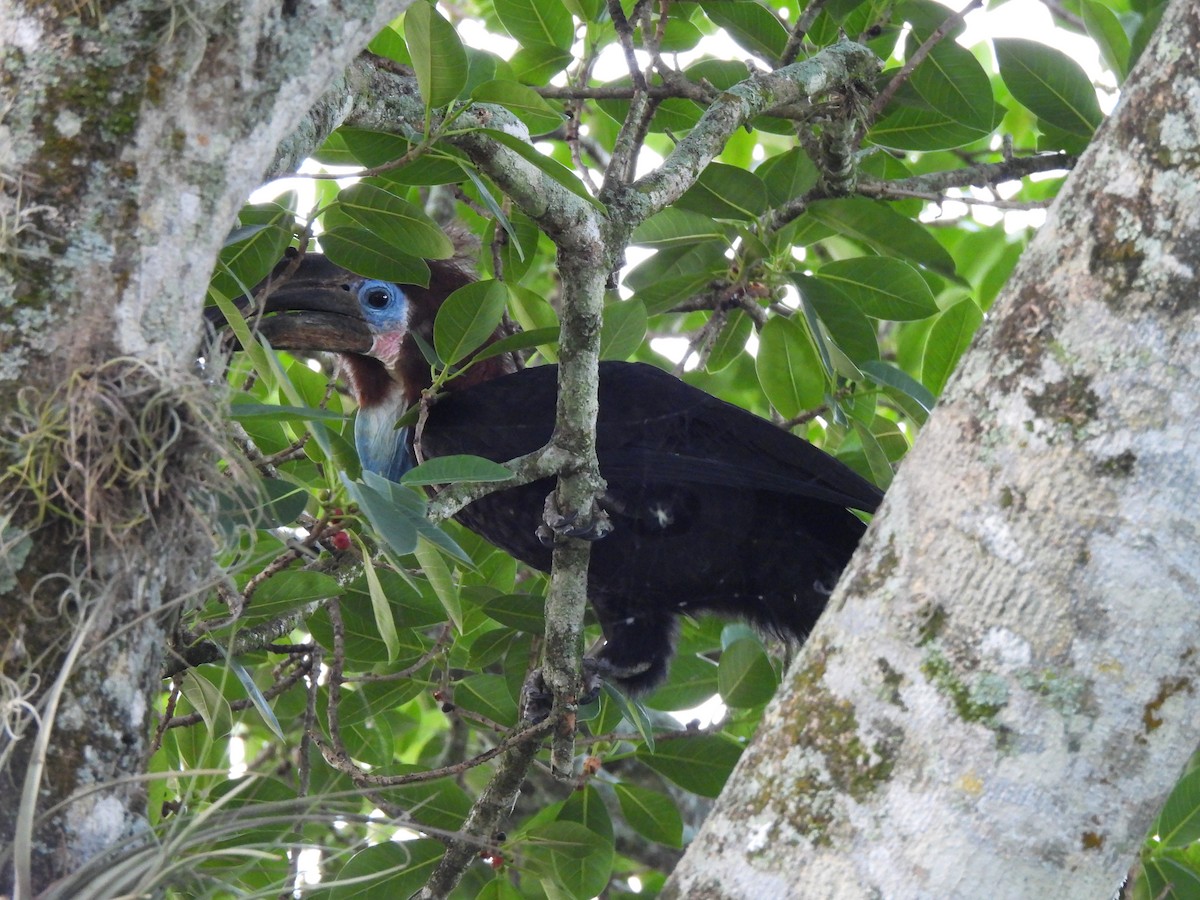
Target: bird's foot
{"points": [[537, 699], [557, 525]]}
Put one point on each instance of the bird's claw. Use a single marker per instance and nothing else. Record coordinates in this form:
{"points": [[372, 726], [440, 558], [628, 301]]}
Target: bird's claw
{"points": [[557, 525], [537, 700]]}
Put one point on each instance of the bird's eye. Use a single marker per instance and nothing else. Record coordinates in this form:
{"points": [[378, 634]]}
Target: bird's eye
{"points": [[378, 294]]}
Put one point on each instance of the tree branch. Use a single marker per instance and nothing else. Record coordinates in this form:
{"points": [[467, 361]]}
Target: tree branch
{"points": [[918, 56], [839, 65]]}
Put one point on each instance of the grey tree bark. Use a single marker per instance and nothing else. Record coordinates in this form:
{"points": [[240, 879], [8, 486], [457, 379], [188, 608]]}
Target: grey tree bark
{"points": [[1003, 690], [127, 129]]}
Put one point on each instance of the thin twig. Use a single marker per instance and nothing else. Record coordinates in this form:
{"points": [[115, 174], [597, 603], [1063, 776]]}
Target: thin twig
{"points": [[625, 38], [792, 49], [918, 56]]}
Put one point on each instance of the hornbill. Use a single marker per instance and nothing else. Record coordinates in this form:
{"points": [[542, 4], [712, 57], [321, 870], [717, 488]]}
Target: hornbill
{"points": [[712, 508]]}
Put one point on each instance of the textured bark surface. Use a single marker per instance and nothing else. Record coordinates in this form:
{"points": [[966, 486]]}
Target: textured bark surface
{"points": [[130, 133], [1005, 687]]}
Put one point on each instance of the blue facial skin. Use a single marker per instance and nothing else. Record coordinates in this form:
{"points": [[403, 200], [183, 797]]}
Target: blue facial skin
{"points": [[382, 447], [383, 305]]}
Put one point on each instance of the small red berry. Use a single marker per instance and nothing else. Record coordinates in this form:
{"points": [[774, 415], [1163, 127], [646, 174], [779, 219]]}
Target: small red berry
{"points": [[340, 541]]}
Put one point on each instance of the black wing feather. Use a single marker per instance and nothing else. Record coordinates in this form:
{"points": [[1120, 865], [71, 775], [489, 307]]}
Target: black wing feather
{"points": [[713, 508]]}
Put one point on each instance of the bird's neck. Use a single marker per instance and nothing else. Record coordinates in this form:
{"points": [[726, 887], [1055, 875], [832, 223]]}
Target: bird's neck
{"points": [[384, 395], [382, 447]]}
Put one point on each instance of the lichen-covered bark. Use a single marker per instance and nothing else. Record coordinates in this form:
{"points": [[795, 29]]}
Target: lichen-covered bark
{"points": [[1005, 686], [127, 129]]}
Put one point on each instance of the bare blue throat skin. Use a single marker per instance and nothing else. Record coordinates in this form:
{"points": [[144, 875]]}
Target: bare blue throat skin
{"points": [[382, 447]]}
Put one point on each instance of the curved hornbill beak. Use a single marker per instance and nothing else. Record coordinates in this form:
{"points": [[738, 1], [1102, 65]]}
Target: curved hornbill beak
{"points": [[307, 305]]}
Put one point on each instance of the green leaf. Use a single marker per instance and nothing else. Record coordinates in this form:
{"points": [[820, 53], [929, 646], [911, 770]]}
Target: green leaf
{"points": [[368, 148], [394, 522], [652, 815], [523, 612], [787, 175], [1151, 15], [367, 254], [881, 468], [387, 870], [432, 167], [726, 192], [454, 468], [631, 711], [439, 577], [438, 57], [534, 22], [524, 102], [1165, 878], [535, 315], [788, 368], [439, 804], [1050, 84], [275, 504], [753, 26], [676, 272], [847, 325], [679, 35], [1179, 822], [948, 338], [499, 889], [881, 288], [362, 642], [585, 10], [1052, 139], [731, 342], [538, 63], [946, 103], [404, 513], [745, 676], [402, 224], [467, 318], [379, 606], [282, 413], [587, 809], [701, 764], [487, 695], [255, 695], [253, 251], [1105, 29], [570, 859], [522, 340], [623, 329], [685, 259], [489, 646], [206, 698], [518, 244], [692, 680], [289, 590], [884, 230], [550, 167], [388, 43], [890, 376], [676, 227], [370, 740]]}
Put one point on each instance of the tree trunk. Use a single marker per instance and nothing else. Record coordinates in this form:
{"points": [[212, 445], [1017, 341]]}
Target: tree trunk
{"points": [[1003, 690], [130, 134]]}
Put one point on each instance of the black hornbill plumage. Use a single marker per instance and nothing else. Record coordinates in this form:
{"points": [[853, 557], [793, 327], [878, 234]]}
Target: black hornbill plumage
{"points": [[713, 508]]}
